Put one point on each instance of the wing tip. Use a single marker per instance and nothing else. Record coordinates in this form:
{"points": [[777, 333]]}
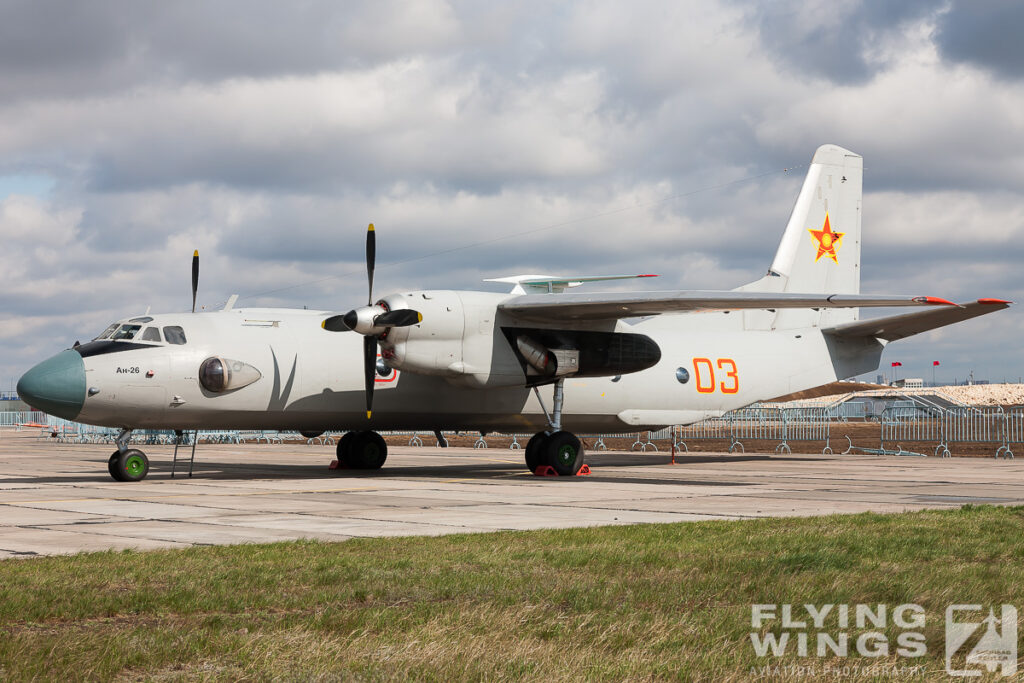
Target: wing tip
{"points": [[934, 301], [990, 302]]}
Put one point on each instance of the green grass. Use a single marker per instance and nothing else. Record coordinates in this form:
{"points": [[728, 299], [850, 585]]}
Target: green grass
{"points": [[642, 602]]}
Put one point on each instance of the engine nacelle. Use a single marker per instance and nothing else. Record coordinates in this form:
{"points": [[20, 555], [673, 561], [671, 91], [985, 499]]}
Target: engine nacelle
{"points": [[465, 338], [455, 339]]}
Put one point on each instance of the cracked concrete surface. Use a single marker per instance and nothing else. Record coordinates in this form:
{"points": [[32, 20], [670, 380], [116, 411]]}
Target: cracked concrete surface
{"points": [[58, 498]]}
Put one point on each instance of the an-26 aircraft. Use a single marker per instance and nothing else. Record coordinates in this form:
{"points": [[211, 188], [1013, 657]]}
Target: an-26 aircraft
{"points": [[537, 360]]}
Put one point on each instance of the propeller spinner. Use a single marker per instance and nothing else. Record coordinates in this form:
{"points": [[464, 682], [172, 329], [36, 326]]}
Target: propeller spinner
{"points": [[370, 321]]}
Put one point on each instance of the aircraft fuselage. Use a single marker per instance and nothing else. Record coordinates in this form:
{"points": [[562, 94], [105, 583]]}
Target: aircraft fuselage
{"points": [[310, 379]]}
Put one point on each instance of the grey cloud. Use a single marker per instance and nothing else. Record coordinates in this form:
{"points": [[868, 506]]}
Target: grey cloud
{"points": [[830, 40], [60, 49], [984, 33]]}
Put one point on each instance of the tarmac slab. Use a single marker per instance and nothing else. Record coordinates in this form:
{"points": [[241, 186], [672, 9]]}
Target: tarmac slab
{"points": [[58, 498]]}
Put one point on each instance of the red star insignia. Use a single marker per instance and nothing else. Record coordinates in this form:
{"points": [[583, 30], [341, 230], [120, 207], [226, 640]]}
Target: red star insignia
{"points": [[826, 241]]}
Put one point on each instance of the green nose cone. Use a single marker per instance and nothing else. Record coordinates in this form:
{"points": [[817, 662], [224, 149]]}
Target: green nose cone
{"points": [[56, 386]]}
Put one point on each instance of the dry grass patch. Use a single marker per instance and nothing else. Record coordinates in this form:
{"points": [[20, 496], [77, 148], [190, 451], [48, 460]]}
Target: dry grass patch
{"points": [[653, 601]]}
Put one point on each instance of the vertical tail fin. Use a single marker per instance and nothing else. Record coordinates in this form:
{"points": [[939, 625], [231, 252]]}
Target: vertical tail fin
{"points": [[820, 249]]}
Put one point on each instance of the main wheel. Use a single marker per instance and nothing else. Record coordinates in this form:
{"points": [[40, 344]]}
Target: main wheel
{"points": [[343, 445], [132, 465], [534, 451], [563, 451], [366, 451], [112, 465]]}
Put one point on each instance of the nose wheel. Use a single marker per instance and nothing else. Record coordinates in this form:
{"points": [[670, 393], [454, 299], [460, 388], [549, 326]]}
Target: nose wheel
{"points": [[128, 465]]}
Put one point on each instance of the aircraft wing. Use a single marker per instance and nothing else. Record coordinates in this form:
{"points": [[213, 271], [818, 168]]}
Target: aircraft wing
{"points": [[613, 305], [895, 327]]}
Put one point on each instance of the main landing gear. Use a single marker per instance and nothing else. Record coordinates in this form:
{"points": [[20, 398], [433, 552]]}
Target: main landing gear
{"points": [[560, 450], [127, 464], [364, 450]]}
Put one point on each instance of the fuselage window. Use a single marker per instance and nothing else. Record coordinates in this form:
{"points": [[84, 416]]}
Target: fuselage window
{"points": [[127, 332], [151, 334], [174, 335], [107, 332]]}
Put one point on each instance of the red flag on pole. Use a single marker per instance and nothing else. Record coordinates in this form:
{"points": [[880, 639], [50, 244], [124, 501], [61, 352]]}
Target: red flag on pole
{"points": [[897, 364], [934, 363]]}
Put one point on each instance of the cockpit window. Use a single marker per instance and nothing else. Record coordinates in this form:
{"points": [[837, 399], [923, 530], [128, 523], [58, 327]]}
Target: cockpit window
{"points": [[174, 335], [107, 332], [126, 332], [143, 319], [151, 334]]}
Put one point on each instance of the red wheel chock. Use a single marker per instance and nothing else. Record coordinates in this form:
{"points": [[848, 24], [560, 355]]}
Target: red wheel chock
{"points": [[549, 471], [336, 465]]}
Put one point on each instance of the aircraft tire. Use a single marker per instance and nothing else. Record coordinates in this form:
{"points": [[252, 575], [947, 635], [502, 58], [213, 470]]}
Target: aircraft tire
{"points": [[564, 452], [366, 451], [534, 451], [132, 465], [112, 465], [343, 446]]}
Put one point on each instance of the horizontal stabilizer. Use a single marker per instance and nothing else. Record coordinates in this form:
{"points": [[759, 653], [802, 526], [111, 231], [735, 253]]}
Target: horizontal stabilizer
{"points": [[614, 305], [556, 283], [895, 327]]}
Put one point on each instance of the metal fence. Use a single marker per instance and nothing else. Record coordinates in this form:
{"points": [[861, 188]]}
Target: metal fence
{"points": [[904, 425], [946, 427], [11, 418]]}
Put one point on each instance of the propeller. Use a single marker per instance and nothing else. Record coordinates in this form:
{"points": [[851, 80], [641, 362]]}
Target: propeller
{"points": [[370, 321], [369, 341], [195, 278], [403, 317]]}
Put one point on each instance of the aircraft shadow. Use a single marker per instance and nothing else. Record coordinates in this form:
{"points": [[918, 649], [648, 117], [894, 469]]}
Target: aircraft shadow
{"points": [[603, 467]]}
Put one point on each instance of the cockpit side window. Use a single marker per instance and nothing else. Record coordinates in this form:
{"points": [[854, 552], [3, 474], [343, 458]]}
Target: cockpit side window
{"points": [[126, 332], [107, 332], [151, 334], [174, 335]]}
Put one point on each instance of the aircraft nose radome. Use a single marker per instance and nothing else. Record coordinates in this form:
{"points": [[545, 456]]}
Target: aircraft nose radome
{"points": [[56, 386]]}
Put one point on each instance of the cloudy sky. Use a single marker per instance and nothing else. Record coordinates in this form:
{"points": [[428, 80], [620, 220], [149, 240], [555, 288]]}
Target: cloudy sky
{"points": [[487, 139]]}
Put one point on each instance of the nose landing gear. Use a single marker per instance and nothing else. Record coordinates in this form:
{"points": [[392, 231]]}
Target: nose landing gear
{"points": [[127, 464]]}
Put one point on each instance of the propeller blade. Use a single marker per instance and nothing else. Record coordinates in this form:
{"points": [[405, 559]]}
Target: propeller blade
{"points": [[401, 318], [371, 260], [195, 278], [369, 369], [336, 323]]}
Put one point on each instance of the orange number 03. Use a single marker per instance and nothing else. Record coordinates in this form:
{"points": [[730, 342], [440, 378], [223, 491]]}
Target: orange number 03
{"points": [[706, 378]]}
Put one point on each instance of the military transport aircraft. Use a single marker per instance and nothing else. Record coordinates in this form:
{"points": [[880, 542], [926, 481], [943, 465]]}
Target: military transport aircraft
{"points": [[473, 360]]}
